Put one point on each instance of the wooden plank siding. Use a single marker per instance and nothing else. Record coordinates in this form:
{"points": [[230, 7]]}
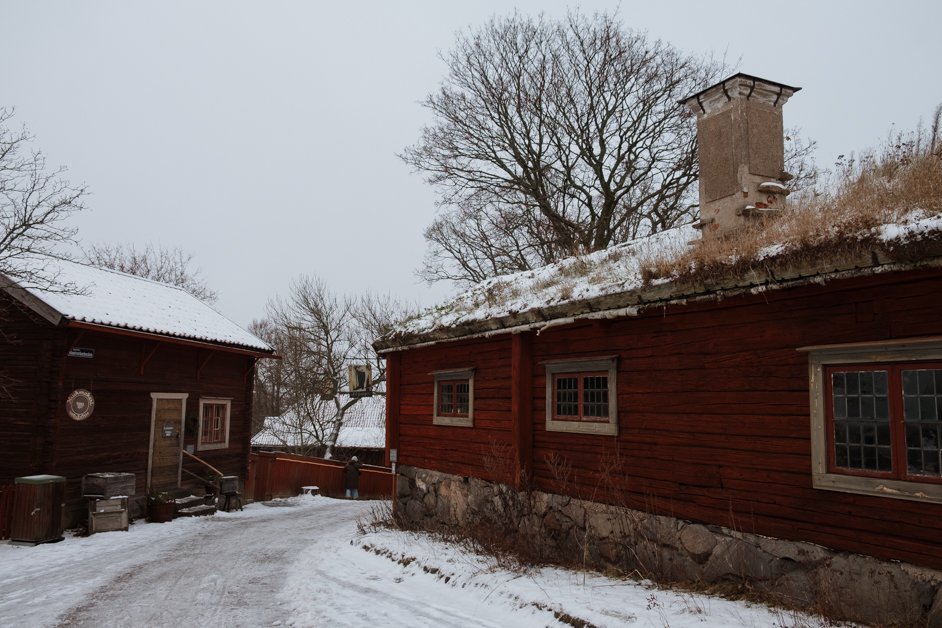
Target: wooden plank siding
{"points": [[283, 475], [28, 379], [481, 450], [37, 435], [714, 417]]}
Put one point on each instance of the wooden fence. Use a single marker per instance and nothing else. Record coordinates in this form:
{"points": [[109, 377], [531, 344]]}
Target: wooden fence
{"points": [[276, 474], [6, 509]]}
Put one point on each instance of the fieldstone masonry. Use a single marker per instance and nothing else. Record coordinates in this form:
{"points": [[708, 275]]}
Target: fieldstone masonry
{"points": [[567, 530]]}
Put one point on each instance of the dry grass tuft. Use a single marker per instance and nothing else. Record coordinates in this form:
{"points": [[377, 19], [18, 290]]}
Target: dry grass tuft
{"points": [[881, 187]]}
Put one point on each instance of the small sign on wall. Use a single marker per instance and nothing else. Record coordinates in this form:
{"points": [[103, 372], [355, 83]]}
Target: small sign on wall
{"points": [[81, 352], [80, 404]]}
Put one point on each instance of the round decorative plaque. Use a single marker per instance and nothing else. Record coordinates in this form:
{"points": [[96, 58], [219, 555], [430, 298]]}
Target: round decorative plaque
{"points": [[80, 404]]}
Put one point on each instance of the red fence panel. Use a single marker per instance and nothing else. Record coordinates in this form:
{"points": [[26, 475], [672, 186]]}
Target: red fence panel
{"points": [[6, 509], [278, 474]]}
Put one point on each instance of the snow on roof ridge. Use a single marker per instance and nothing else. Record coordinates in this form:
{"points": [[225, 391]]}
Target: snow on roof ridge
{"points": [[121, 300]]}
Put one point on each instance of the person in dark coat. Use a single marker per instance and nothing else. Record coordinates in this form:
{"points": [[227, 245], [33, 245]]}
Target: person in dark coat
{"points": [[352, 478]]}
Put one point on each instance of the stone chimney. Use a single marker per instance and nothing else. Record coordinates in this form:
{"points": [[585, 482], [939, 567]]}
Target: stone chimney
{"points": [[742, 151]]}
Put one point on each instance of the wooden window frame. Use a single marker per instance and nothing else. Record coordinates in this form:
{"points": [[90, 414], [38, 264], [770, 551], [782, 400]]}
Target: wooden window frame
{"points": [[453, 376], [607, 366], [893, 355], [224, 443]]}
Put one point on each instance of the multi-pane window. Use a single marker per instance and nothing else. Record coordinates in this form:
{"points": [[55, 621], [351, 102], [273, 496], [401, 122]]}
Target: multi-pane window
{"points": [[885, 420], [922, 397], [454, 397], [580, 396], [214, 423]]}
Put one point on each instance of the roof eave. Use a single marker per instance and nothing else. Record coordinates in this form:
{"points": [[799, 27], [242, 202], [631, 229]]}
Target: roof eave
{"points": [[34, 303], [622, 304], [181, 340]]}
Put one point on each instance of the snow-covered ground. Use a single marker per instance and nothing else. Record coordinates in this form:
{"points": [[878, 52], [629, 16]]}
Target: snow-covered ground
{"points": [[303, 562]]}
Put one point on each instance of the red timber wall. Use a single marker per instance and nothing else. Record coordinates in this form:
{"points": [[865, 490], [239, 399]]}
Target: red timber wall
{"points": [[714, 418], [456, 450], [28, 372], [122, 375]]}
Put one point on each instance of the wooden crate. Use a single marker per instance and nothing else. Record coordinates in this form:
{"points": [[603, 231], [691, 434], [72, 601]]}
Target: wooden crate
{"points": [[108, 484], [113, 504], [229, 484], [107, 515], [107, 521]]}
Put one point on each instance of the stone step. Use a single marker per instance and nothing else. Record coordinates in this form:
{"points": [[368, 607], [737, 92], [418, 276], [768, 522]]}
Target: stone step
{"points": [[188, 502]]}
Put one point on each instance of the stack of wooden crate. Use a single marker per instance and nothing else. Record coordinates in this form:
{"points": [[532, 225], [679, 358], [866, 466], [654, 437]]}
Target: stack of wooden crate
{"points": [[107, 495]]}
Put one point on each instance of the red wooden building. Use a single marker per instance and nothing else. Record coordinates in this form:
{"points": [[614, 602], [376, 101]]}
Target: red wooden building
{"points": [[797, 400], [120, 374]]}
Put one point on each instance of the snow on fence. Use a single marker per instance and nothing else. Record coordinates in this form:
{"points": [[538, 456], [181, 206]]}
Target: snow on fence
{"points": [[6, 509], [276, 474]]}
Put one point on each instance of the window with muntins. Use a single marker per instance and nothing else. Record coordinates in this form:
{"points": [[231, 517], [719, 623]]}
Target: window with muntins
{"points": [[885, 420], [877, 419], [580, 396], [454, 398], [214, 424]]}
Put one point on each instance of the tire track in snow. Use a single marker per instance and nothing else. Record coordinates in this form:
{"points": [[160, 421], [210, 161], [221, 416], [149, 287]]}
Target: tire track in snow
{"points": [[229, 573]]}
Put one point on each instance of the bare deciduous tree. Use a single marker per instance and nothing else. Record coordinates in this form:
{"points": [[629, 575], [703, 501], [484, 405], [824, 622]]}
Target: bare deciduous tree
{"points": [[318, 335], [35, 203], [553, 139], [172, 266], [800, 163]]}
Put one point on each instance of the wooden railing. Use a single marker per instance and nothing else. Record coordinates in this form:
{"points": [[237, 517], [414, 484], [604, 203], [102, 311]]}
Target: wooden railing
{"points": [[6, 509], [217, 474], [275, 474]]}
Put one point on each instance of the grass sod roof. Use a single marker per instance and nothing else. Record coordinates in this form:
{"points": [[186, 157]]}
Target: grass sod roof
{"points": [[883, 214], [622, 281]]}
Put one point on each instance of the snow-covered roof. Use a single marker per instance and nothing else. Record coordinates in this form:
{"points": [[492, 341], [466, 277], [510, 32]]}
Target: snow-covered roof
{"points": [[609, 283], [364, 426], [114, 299]]}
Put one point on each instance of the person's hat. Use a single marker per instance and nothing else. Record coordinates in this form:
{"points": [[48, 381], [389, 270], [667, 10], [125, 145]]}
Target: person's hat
{"points": [[354, 459]]}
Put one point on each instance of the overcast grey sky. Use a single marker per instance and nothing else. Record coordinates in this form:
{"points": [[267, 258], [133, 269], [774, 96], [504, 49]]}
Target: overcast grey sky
{"points": [[262, 137]]}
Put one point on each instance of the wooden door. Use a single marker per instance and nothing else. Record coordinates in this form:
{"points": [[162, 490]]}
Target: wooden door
{"points": [[166, 440]]}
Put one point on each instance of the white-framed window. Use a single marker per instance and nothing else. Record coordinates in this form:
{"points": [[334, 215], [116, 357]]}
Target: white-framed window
{"points": [[453, 402], [214, 423], [581, 396], [876, 418]]}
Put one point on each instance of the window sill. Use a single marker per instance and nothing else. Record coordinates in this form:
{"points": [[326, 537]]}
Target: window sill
{"points": [[879, 487], [599, 428], [453, 421]]}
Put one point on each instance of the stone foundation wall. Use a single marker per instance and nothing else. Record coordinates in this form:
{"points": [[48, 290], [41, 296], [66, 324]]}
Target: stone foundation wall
{"points": [[566, 530]]}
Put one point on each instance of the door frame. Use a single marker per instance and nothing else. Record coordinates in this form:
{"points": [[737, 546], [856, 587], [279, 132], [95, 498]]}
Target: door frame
{"points": [[153, 419]]}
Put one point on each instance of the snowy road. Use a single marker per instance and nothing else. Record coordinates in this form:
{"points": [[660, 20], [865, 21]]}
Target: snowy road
{"points": [[302, 562], [222, 570]]}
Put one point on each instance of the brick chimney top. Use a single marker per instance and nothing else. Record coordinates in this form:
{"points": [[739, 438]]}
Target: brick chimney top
{"points": [[742, 151]]}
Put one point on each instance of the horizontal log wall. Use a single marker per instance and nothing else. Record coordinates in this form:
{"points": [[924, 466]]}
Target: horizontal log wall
{"points": [[27, 391], [122, 375], [482, 450], [714, 419], [36, 376]]}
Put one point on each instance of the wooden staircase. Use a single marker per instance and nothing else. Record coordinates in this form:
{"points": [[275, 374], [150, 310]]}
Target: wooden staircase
{"points": [[196, 506]]}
